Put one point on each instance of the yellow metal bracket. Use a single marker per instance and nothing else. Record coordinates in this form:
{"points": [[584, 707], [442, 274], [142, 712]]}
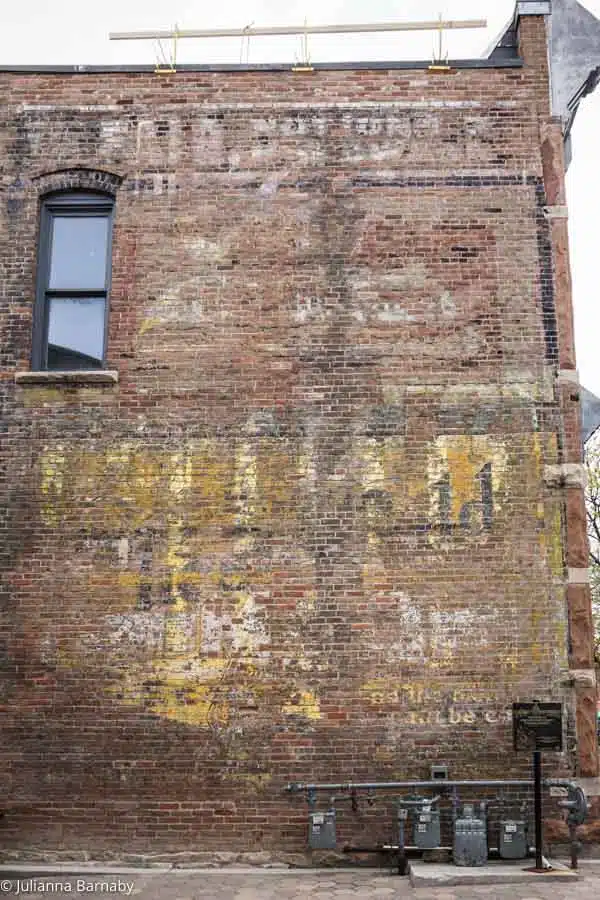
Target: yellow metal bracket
{"points": [[169, 67], [304, 66], [439, 63]]}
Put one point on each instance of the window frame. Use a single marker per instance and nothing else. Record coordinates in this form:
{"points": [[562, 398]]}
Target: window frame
{"points": [[76, 204]]}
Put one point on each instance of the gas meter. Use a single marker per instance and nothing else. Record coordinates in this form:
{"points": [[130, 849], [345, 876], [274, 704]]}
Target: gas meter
{"points": [[425, 818], [426, 827], [513, 839], [470, 836], [321, 830]]}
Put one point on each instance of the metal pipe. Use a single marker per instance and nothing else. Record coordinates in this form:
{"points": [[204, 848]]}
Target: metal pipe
{"points": [[269, 31], [454, 807], [537, 777], [300, 787], [574, 846], [577, 808], [402, 860], [391, 848]]}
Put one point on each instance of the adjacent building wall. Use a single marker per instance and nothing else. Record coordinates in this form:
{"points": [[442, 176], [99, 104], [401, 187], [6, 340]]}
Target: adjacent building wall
{"points": [[322, 527]]}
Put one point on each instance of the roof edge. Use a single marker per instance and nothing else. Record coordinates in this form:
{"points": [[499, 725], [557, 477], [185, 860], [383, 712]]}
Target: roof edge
{"points": [[513, 63]]}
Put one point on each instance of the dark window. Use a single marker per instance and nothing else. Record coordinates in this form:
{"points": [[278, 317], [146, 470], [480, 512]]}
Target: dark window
{"points": [[73, 282]]}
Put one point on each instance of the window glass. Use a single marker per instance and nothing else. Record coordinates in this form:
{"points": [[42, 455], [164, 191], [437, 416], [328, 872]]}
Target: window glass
{"points": [[73, 281], [75, 332], [78, 252]]}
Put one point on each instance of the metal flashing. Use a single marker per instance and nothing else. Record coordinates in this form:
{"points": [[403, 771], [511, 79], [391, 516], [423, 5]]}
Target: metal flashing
{"points": [[574, 42], [534, 8], [588, 87], [496, 63]]}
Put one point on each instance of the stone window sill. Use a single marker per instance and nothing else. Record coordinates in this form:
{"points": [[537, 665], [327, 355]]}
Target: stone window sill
{"points": [[75, 376]]}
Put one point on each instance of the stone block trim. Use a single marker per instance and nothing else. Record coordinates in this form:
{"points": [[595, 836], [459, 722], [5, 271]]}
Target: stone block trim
{"points": [[556, 212], [587, 748], [577, 547], [580, 618], [569, 377], [578, 552], [566, 475], [579, 576], [583, 677]]}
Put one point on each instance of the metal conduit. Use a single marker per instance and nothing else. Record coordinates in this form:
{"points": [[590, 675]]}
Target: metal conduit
{"points": [[268, 31]]}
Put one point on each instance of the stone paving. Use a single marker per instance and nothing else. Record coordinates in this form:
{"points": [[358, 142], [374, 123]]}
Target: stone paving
{"points": [[285, 885]]}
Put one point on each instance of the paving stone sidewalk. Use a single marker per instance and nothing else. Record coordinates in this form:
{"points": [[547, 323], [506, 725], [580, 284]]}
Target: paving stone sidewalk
{"points": [[285, 885]]}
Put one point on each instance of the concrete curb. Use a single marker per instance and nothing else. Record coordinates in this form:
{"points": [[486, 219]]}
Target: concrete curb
{"points": [[87, 870], [446, 875]]}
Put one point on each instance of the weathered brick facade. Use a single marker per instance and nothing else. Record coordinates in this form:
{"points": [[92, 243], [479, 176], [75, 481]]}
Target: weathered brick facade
{"points": [[328, 525]]}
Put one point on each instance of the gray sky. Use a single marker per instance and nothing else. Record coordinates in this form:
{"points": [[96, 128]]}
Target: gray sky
{"points": [[40, 31]]}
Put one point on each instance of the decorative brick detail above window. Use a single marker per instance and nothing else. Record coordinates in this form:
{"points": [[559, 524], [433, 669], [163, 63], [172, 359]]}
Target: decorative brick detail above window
{"points": [[77, 179]]}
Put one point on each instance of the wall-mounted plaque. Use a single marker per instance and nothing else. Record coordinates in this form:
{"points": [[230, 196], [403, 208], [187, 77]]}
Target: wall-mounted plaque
{"points": [[537, 726]]}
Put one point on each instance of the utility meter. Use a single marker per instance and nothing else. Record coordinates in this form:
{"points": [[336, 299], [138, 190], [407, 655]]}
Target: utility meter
{"points": [[321, 830]]}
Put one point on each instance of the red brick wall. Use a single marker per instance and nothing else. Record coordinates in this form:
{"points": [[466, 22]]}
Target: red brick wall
{"points": [[308, 535]]}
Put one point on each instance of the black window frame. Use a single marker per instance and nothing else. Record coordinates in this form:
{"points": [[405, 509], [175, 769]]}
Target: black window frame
{"points": [[75, 204]]}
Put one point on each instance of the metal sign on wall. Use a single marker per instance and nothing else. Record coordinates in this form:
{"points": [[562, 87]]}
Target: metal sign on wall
{"points": [[537, 726]]}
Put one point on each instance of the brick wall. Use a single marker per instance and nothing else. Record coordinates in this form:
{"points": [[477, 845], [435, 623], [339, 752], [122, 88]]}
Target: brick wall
{"points": [[310, 534]]}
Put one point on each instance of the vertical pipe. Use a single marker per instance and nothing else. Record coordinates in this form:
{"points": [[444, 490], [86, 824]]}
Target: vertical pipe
{"points": [[402, 860], [574, 846], [537, 791]]}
